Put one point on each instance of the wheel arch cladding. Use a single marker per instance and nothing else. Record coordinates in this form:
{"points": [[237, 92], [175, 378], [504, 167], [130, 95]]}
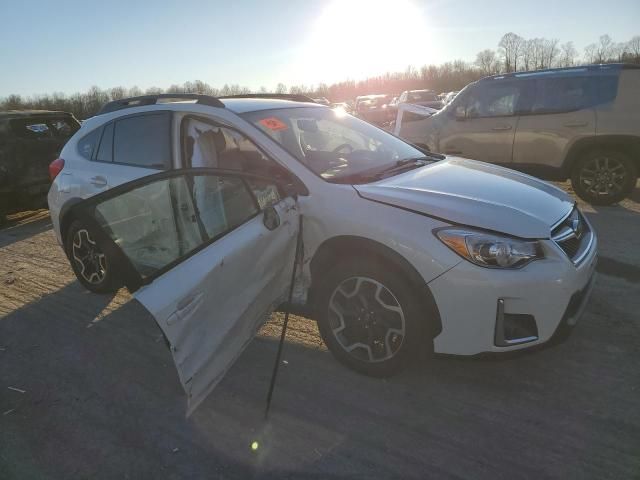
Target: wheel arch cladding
{"points": [[66, 218], [337, 248], [627, 144]]}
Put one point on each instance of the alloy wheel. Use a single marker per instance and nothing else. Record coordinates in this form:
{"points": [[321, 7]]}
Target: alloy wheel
{"points": [[366, 319], [603, 176], [90, 260]]}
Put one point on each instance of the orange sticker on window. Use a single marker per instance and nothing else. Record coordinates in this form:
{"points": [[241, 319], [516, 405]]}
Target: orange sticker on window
{"points": [[274, 124]]}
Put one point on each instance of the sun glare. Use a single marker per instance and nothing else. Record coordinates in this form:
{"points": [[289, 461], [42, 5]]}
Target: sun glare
{"points": [[359, 38]]}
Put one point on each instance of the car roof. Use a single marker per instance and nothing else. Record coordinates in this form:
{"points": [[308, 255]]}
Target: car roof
{"points": [[582, 69], [245, 105], [31, 113]]}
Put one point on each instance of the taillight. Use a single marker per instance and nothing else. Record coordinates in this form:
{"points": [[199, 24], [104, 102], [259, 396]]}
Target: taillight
{"points": [[55, 168]]}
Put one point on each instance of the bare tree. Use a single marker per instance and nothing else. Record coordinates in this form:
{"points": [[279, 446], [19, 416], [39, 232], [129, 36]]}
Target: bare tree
{"points": [[568, 54], [551, 52], [590, 55], [134, 91], [604, 49], [633, 47], [487, 62], [13, 102], [322, 90], [619, 51], [527, 56], [510, 48], [539, 53], [95, 99], [117, 93], [153, 91], [281, 88]]}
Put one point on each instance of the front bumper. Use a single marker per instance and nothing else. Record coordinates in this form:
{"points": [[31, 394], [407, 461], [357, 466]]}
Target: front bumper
{"points": [[470, 299]]}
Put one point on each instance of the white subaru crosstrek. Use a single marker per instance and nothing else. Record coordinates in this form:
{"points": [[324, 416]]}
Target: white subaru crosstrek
{"points": [[195, 205]]}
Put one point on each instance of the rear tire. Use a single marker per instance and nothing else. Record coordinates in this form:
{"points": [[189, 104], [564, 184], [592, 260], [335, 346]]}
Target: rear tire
{"points": [[372, 309], [90, 265], [603, 177]]}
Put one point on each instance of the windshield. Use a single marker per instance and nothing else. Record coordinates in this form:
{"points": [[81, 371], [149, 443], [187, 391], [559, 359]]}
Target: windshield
{"points": [[336, 146]]}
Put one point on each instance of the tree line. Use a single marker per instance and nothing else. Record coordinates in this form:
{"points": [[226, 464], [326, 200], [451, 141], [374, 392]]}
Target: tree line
{"points": [[513, 53]]}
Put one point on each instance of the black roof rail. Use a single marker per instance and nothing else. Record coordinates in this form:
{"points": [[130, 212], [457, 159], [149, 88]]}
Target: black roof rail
{"points": [[594, 67], [281, 96], [131, 102]]}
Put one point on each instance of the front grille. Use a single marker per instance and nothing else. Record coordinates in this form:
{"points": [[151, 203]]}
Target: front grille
{"points": [[573, 235]]}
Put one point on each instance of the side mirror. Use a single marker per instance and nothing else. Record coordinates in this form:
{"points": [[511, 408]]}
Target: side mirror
{"points": [[460, 112], [270, 218], [290, 190]]}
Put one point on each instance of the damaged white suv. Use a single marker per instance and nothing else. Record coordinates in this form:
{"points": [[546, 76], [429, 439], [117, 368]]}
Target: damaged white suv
{"points": [[195, 204]]}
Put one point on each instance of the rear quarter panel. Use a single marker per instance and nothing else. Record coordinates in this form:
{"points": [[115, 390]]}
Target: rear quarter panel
{"points": [[622, 116]]}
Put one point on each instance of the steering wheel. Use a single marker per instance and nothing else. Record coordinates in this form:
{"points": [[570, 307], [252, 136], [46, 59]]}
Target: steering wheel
{"points": [[342, 146]]}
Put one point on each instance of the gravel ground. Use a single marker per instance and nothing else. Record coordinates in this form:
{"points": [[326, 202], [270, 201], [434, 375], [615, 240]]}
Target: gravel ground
{"points": [[88, 390]]}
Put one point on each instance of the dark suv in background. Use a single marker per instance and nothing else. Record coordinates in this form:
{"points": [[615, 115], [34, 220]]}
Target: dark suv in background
{"points": [[581, 123], [29, 141]]}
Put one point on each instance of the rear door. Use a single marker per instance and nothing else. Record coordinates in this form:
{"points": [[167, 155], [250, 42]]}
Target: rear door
{"points": [[198, 250], [560, 114], [483, 122]]}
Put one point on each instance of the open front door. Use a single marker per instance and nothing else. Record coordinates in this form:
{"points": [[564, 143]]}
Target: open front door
{"points": [[208, 252]]}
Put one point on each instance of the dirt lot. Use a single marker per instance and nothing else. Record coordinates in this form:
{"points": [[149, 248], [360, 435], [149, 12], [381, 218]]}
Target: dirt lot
{"points": [[88, 390]]}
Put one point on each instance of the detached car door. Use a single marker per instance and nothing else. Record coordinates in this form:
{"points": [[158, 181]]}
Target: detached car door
{"points": [[197, 250]]}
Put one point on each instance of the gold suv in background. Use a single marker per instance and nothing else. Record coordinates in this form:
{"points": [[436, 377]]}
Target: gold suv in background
{"points": [[581, 123]]}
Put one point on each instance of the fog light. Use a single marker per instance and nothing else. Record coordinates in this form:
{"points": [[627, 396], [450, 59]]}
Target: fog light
{"points": [[514, 328]]}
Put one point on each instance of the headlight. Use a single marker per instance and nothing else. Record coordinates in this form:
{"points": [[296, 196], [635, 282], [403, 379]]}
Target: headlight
{"points": [[489, 250]]}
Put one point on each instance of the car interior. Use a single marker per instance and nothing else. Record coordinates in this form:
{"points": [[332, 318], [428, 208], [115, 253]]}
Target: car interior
{"points": [[328, 147], [159, 222]]}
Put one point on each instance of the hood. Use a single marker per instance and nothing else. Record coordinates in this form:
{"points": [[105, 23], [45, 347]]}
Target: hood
{"points": [[476, 194]]}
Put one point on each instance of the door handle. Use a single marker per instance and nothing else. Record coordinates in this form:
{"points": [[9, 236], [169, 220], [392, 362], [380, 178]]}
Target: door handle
{"points": [[188, 301], [576, 124], [185, 307], [501, 127], [98, 181]]}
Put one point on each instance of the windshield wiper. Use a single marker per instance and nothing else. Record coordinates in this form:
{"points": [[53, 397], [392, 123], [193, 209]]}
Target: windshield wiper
{"points": [[402, 165]]}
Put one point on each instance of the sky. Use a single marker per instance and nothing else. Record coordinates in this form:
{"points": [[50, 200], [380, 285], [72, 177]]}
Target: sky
{"points": [[67, 46]]}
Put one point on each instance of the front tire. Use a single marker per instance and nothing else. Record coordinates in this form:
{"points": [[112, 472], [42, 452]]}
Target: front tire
{"points": [[369, 317], [604, 177], [90, 265]]}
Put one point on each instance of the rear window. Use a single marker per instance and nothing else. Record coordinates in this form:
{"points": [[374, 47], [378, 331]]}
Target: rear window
{"points": [[87, 145], [143, 141], [63, 127], [44, 127], [562, 94], [30, 128], [105, 151]]}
